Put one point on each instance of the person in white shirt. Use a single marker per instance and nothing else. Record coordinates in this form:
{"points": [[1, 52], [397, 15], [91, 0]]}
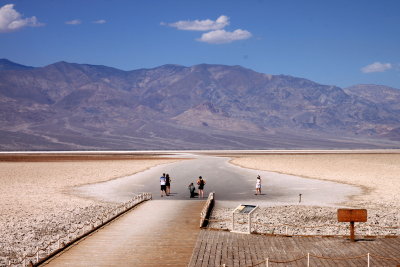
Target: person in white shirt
{"points": [[258, 185], [163, 181]]}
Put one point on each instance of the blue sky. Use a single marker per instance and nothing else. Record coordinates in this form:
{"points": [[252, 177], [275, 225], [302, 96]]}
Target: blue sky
{"points": [[331, 42]]}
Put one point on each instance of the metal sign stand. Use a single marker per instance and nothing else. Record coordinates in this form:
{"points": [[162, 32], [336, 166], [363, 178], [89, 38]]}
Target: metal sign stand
{"points": [[243, 210]]}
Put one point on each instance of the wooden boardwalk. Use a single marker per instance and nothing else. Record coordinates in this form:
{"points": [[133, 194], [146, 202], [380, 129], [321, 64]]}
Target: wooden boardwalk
{"points": [[156, 233], [215, 248]]}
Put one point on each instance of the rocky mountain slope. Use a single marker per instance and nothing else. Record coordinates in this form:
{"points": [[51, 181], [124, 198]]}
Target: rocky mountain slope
{"points": [[78, 106]]}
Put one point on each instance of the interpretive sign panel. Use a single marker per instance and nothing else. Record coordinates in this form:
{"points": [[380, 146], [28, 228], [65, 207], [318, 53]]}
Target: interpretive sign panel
{"points": [[244, 209]]}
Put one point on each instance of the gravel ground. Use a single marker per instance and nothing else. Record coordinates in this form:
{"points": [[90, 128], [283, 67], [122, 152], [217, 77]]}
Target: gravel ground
{"points": [[307, 220], [22, 235]]}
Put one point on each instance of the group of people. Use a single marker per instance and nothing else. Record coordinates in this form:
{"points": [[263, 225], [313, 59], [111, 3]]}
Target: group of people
{"points": [[192, 189], [165, 182]]}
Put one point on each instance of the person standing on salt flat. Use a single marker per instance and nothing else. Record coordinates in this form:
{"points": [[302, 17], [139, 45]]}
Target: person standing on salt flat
{"points": [[163, 181], [201, 183], [258, 185]]}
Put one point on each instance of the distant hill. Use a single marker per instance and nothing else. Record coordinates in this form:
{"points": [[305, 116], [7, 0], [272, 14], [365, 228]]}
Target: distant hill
{"points": [[78, 106], [6, 64]]}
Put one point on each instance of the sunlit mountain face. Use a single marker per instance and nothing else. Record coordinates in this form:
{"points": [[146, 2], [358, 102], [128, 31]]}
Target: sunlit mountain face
{"points": [[76, 106]]}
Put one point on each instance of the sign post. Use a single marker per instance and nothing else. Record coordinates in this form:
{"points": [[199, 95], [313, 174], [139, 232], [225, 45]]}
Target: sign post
{"points": [[351, 216]]}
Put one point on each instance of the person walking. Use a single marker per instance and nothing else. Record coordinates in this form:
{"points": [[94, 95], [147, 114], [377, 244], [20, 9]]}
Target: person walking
{"points": [[258, 185], [168, 184], [163, 186], [201, 183]]}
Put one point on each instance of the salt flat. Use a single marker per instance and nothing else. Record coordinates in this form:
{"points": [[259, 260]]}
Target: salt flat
{"points": [[376, 172], [34, 192]]}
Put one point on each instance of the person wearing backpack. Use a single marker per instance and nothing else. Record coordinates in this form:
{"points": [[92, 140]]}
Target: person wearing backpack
{"points": [[201, 183]]}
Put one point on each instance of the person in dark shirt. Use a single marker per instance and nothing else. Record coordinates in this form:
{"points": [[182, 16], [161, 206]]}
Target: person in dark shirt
{"points": [[168, 184], [201, 183]]}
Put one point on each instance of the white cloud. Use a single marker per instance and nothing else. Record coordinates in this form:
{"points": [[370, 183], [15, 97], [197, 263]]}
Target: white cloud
{"points": [[377, 67], [100, 21], [73, 22], [215, 30], [11, 20], [200, 25], [222, 36]]}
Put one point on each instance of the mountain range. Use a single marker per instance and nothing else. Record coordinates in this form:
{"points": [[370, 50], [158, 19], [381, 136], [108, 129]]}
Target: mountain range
{"points": [[68, 106]]}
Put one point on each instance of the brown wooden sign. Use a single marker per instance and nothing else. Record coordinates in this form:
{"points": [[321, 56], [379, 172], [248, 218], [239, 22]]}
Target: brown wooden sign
{"points": [[352, 215]]}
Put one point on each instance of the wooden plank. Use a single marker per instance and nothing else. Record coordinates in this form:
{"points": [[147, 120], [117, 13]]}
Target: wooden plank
{"points": [[242, 255], [296, 251], [318, 250], [224, 245], [206, 252], [248, 251], [235, 251], [325, 250], [199, 261], [230, 253], [252, 248], [213, 252], [282, 248], [390, 245], [196, 249], [218, 251], [262, 250]]}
